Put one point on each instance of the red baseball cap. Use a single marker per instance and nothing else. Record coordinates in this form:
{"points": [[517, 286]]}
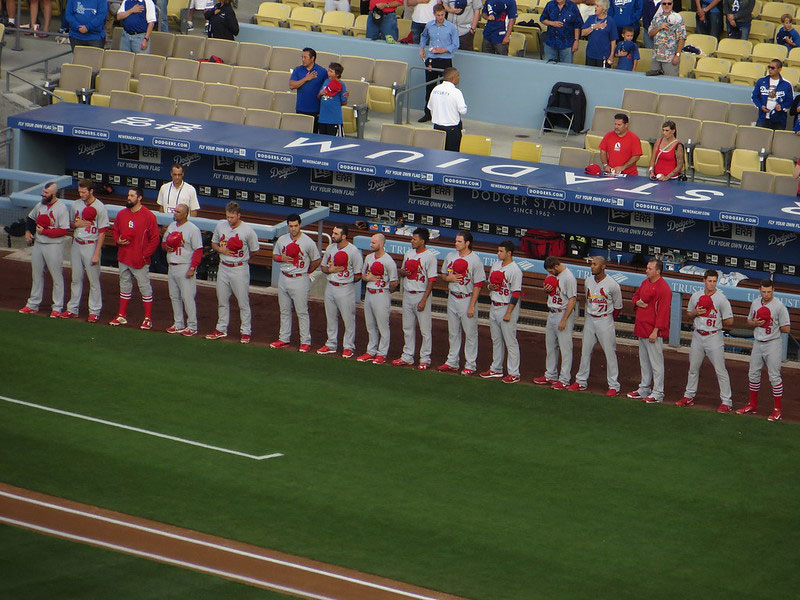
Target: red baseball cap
{"points": [[764, 314], [552, 281], [89, 213], [377, 269], [496, 277], [174, 239], [340, 259], [460, 266], [412, 266], [292, 250], [43, 220], [235, 243], [705, 301]]}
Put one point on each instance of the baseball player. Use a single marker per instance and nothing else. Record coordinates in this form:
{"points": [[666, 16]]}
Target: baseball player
{"points": [[177, 192], [505, 285], [769, 318], [298, 256], [380, 273], [651, 325], [183, 244], [562, 298], [235, 241], [89, 220], [463, 271], [420, 270], [136, 235], [711, 312], [342, 263], [603, 305], [47, 224]]}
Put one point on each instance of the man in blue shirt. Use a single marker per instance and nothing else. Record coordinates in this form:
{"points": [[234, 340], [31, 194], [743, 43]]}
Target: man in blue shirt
{"points": [[564, 24], [437, 43], [772, 95], [138, 20], [709, 17], [307, 79], [500, 16], [87, 20]]}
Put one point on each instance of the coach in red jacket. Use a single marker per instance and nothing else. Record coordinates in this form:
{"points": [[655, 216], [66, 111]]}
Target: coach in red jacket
{"points": [[136, 235], [652, 305]]}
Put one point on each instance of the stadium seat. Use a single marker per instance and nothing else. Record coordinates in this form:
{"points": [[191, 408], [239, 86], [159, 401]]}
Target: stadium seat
{"points": [[306, 18], [672, 104], [272, 14], [645, 60], [73, 79], [126, 100], [741, 114], [531, 33], [397, 134], [254, 55], [248, 77], [284, 59], [116, 38], [181, 68], [647, 153], [357, 67], [192, 47], [476, 144], [186, 89], [705, 109], [174, 8], [403, 28], [689, 20], [785, 185], [761, 31], [227, 114], [639, 100], [381, 99], [277, 81], [326, 58], [227, 50], [359, 28], [263, 118], [574, 157], [154, 85], [793, 58], [358, 92], [603, 119], [432, 139], [757, 8], [687, 129], [765, 52], [214, 72], [337, 22], [646, 125], [389, 73], [161, 43], [116, 59], [758, 181], [717, 139], [517, 44], [744, 160], [526, 6], [284, 102], [711, 69], [221, 93], [295, 122], [349, 123], [88, 56], [192, 109], [592, 142], [150, 64], [706, 43], [579, 58], [773, 11], [255, 98], [707, 162], [746, 73], [779, 166], [160, 105], [107, 81], [295, 2], [792, 75], [734, 50], [526, 151], [785, 144], [477, 40], [687, 64]]}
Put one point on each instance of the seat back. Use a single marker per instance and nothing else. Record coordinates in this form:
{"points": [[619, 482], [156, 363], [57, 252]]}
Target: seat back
{"points": [[112, 79], [526, 151], [754, 138], [154, 85], [603, 118], [277, 81], [126, 100], [186, 89], [148, 63], [284, 102], [263, 118], [248, 77], [295, 122], [717, 136], [88, 56], [75, 77], [117, 59], [255, 98], [357, 67], [390, 72], [160, 105], [758, 181], [254, 55], [192, 109], [397, 134], [706, 43], [785, 185], [705, 109], [284, 59], [741, 114], [161, 43], [687, 128], [765, 52], [646, 125], [181, 68], [227, 114], [358, 92], [672, 104], [192, 47], [433, 139], [785, 144], [574, 157], [639, 100], [227, 50], [210, 72], [221, 93]]}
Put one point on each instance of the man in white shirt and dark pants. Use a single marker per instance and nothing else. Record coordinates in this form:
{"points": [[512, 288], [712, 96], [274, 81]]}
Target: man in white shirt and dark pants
{"points": [[447, 105]]}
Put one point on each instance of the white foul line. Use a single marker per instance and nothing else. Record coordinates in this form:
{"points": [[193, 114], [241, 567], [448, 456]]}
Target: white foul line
{"points": [[245, 553], [140, 430]]}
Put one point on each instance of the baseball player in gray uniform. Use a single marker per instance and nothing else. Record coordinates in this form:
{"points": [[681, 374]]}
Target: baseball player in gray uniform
{"points": [[711, 311], [89, 221], [342, 263], [183, 244], [769, 318], [235, 241], [380, 273], [463, 270], [562, 290], [505, 284], [298, 256], [420, 270], [47, 224], [603, 303]]}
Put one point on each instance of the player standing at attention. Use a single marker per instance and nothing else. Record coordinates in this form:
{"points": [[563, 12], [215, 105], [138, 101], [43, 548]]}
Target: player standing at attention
{"points": [[505, 285], [90, 223], [48, 223], [562, 298], [463, 271], [420, 270], [183, 244], [603, 304], [298, 256], [136, 235], [769, 318], [711, 312], [380, 273], [235, 241], [342, 263]]}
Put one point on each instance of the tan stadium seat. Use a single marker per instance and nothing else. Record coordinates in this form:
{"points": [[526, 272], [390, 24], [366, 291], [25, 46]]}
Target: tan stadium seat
{"points": [[306, 18], [277, 81], [779, 166], [161, 43], [150, 64], [255, 98], [792, 75], [117, 59], [687, 63], [126, 100], [785, 185], [772, 11], [359, 28], [793, 58], [710, 163], [746, 73], [272, 14], [284, 59], [189, 46], [107, 81], [646, 125], [88, 56], [754, 138], [221, 93], [766, 52], [154, 85], [358, 90], [785, 144], [761, 31], [337, 22], [477, 39], [381, 99], [706, 43], [254, 55], [741, 114], [389, 72], [672, 104], [758, 181], [526, 151], [433, 139], [248, 77], [181, 68], [397, 134], [717, 139], [744, 160], [734, 50], [186, 89], [174, 8], [227, 114], [159, 105], [603, 119], [192, 109], [711, 69], [592, 141], [687, 128], [476, 144], [639, 100], [214, 72], [517, 44], [349, 124], [689, 20], [705, 109], [574, 157], [263, 118], [73, 78], [357, 67], [227, 50], [531, 33], [295, 122], [647, 153], [116, 37], [326, 58], [284, 102], [645, 60]]}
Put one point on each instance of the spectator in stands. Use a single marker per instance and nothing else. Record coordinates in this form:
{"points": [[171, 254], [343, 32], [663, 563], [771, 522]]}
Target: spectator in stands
{"points": [[422, 15], [709, 17], [138, 19], [500, 17], [788, 35], [382, 22], [627, 13], [446, 106], [773, 96], [564, 23], [667, 159], [222, 22], [649, 10], [438, 43], [86, 19], [308, 79], [669, 35], [627, 52], [201, 5], [47, 9], [738, 14], [332, 96], [621, 148], [11, 9], [340, 5], [464, 14], [602, 36], [796, 174], [163, 23]]}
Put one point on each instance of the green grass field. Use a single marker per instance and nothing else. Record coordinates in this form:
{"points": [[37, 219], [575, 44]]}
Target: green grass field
{"points": [[472, 487]]}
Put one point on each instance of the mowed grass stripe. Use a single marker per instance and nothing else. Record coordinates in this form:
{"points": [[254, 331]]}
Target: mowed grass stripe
{"points": [[472, 487]]}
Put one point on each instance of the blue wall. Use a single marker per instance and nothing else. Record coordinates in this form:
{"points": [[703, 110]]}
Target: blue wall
{"points": [[489, 81]]}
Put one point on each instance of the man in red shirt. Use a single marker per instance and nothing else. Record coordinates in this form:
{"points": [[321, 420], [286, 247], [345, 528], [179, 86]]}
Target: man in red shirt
{"points": [[620, 149], [652, 304], [136, 235]]}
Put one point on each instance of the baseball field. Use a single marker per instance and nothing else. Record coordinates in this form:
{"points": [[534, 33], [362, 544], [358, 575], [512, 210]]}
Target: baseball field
{"points": [[470, 487]]}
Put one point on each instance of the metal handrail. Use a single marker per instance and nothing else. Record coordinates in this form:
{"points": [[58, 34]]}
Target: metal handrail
{"points": [[34, 85], [13, 72], [398, 113]]}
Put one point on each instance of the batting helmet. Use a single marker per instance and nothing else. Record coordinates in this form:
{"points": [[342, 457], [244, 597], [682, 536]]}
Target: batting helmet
{"points": [[764, 314], [43, 220], [292, 250], [412, 266], [460, 266], [174, 239], [376, 269], [235, 244], [552, 281], [706, 302], [340, 259], [496, 277], [89, 214]]}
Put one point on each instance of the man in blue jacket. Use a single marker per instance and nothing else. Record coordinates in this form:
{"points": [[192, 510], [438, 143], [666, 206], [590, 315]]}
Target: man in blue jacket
{"points": [[87, 20], [772, 95], [626, 13]]}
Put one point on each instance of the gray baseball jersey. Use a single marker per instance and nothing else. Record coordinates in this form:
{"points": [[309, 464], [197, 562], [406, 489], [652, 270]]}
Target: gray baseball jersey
{"points": [[234, 274], [602, 299], [422, 267], [707, 341], [458, 301], [560, 341], [355, 262], [84, 245], [378, 304], [183, 289], [504, 334], [767, 349], [294, 284], [48, 252]]}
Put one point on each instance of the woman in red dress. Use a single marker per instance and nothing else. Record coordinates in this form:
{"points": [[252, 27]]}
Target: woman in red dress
{"points": [[667, 160]]}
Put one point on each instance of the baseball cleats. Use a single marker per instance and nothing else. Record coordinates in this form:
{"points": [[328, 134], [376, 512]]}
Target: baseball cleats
{"points": [[776, 415], [612, 393], [423, 366], [56, 314], [278, 344], [304, 348], [724, 408], [685, 402], [576, 387], [635, 395], [118, 320], [216, 335], [347, 353], [399, 362], [491, 374], [245, 339], [445, 368], [749, 409], [558, 386], [510, 379], [326, 350], [651, 400], [379, 360], [27, 311], [467, 372], [146, 324], [189, 332], [173, 330], [68, 315], [544, 381], [366, 357], [93, 319]]}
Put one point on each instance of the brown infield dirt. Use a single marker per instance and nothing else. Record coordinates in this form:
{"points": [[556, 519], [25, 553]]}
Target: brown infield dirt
{"points": [[16, 278]]}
